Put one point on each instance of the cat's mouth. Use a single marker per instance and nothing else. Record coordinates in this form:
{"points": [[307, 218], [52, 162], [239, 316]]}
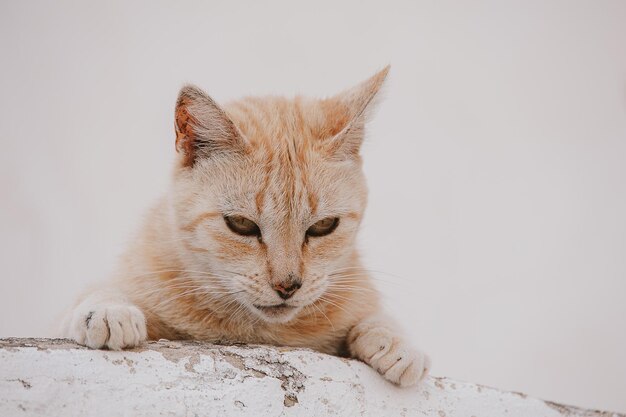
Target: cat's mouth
{"points": [[274, 308], [277, 312]]}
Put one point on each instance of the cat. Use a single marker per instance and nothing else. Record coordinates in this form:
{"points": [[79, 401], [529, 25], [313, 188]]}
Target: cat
{"points": [[254, 242]]}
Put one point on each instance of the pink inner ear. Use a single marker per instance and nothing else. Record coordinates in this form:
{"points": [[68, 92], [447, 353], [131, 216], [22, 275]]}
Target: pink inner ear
{"points": [[202, 127], [184, 133]]}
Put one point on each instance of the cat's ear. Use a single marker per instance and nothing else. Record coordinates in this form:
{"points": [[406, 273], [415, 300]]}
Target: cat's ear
{"points": [[359, 101], [202, 127]]}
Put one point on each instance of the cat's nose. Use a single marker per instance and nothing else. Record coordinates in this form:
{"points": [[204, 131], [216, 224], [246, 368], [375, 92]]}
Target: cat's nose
{"points": [[286, 289]]}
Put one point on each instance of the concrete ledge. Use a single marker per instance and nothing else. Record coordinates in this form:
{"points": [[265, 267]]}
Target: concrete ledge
{"points": [[54, 377]]}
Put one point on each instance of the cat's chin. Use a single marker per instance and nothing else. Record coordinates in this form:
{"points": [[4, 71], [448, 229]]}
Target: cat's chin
{"points": [[276, 314]]}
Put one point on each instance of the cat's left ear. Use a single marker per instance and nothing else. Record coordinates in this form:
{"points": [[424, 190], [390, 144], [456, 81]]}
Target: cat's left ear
{"points": [[203, 128], [359, 101]]}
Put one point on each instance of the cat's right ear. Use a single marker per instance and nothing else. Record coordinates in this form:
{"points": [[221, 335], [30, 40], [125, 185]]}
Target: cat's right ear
{"points": [[202, 127]]}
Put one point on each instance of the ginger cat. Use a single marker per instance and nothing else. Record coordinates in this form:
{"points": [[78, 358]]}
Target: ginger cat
{"points": [[255, 240]]}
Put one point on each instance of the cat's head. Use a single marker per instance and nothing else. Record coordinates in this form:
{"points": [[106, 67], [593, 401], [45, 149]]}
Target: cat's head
{"points": [[268, 194]]}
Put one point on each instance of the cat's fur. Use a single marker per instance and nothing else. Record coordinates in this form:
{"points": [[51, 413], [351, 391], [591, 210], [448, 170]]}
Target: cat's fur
{"points": [[284, 164]]}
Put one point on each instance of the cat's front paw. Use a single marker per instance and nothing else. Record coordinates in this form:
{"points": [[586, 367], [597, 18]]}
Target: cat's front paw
{"points": [[115, 326], [390, 355]]}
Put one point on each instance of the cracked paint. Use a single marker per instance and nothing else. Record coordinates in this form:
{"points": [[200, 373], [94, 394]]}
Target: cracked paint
{"points": [[42, 377]]}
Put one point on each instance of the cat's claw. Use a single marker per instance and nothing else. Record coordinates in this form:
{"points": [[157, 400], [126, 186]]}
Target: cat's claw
{"points": [[390, 355], [115, 327]]}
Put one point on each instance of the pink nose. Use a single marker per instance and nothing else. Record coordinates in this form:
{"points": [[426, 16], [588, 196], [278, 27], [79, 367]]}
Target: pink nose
{"points": [[286, 290]]}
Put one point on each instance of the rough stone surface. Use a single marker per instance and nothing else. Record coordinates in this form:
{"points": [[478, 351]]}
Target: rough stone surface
{"points": [[50, 377]]}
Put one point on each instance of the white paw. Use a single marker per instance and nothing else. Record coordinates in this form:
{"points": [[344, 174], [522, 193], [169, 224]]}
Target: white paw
{"points": [[392, 357], [115, 326]]}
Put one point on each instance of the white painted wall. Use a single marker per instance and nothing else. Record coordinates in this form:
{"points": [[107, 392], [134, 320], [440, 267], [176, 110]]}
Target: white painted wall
{"points": [[45, 378], [497, 163]]}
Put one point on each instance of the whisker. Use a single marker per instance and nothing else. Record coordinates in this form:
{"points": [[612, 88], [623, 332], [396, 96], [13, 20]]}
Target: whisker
{"points": [[324, 314], [364, 276], [183, 285], [362, 269], [162, 271], [178, 296], [336, 305]]}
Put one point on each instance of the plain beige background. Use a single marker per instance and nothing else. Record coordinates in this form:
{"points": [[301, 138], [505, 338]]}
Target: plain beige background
{"points": [[497, 161]]}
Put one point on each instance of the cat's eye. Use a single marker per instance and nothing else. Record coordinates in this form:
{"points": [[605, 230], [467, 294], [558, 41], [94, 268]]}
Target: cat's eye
{"points": [[242, 226], [323, 227]]}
